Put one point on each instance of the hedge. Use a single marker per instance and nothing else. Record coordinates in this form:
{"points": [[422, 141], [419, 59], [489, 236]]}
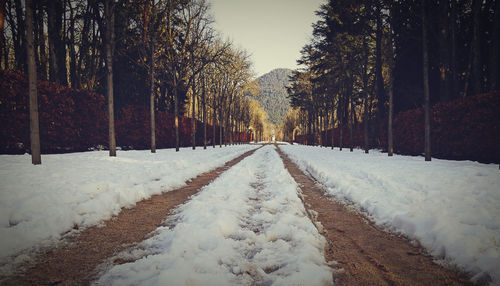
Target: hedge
{"points": [[76, 120], [463, 129]]}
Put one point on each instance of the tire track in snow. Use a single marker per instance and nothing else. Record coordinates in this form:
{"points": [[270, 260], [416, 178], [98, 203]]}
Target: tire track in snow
{"points": [[248, 227], [259, 193], [367, 255]]}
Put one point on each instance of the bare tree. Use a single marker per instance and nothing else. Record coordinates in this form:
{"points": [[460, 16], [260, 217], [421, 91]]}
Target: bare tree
{"points": [[204, 107], [152, 96], [34, 124], [426, 84], [193, 119], [176, 109], [110, 21], [149, 32]]}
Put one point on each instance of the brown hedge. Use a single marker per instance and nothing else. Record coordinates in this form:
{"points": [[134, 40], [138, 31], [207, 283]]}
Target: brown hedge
{"points": [[76, 120], [463, 129]]}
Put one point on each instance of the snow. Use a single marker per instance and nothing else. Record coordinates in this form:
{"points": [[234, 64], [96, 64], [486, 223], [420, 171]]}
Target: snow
{"points": [[248, 227], [451, 207], [40, 203]]}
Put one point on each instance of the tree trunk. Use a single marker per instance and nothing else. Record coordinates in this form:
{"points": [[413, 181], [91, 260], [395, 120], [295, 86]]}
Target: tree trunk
{"points": [[349, 110], [333, 129], [152, 95], [309, 129], [220, 127], [236, 129], [324, 139], [214, 115], [327, 125], [235, 132], [204, 107], [341, 122], [351, 119], [426, 84], [32, 81], [110, 22], [320, 124], [176, 112], [227, 129], [341, 138], [316, 129], [365, 124], [230, 127], [193, 122], [390, 148]]}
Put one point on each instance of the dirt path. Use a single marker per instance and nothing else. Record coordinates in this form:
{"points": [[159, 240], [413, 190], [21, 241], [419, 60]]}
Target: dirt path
{"points": [[75, 263], [367, 255]]}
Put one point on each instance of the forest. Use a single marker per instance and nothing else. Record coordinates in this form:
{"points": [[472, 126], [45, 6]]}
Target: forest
{"points": [[273, 95], [161, 56], [371, 61]]}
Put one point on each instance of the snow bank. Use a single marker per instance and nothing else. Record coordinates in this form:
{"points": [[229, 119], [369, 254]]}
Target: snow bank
{"points": [[39, 203], [451, 207], [248, 227]]}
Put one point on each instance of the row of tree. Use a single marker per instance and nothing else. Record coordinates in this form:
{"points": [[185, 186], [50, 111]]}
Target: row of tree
{"points": [[163, 54], [368, 60]]}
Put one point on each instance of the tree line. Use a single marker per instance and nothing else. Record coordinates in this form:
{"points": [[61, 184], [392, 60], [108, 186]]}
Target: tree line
{"points": [[368, 60], [164, 54]]}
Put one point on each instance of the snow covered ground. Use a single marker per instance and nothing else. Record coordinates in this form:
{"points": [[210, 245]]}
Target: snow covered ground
{"points": [[39, 203], [451, 207], [248, 227]]}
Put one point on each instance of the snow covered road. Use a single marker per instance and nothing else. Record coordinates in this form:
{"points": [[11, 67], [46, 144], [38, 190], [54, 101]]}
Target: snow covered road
{"points": [[247, 227]]}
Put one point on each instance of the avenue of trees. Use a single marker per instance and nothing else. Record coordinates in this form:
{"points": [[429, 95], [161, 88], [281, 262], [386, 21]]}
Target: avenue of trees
{"points": [[369, 60], [163, 54]]}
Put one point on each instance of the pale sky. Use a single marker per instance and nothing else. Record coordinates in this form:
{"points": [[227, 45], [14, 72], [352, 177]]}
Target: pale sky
{"points": [[272, 31]]}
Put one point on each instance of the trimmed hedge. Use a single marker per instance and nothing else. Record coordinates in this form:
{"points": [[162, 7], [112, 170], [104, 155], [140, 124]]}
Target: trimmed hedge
{"points": [[75, 120], [463, 129]]}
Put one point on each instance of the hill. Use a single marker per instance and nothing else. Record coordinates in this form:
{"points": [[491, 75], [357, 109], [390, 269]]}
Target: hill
{"points": [[273, 95]]}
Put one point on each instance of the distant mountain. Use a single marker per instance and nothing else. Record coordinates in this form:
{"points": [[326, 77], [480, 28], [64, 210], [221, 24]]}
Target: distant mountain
{"points": [[273, 95]]}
